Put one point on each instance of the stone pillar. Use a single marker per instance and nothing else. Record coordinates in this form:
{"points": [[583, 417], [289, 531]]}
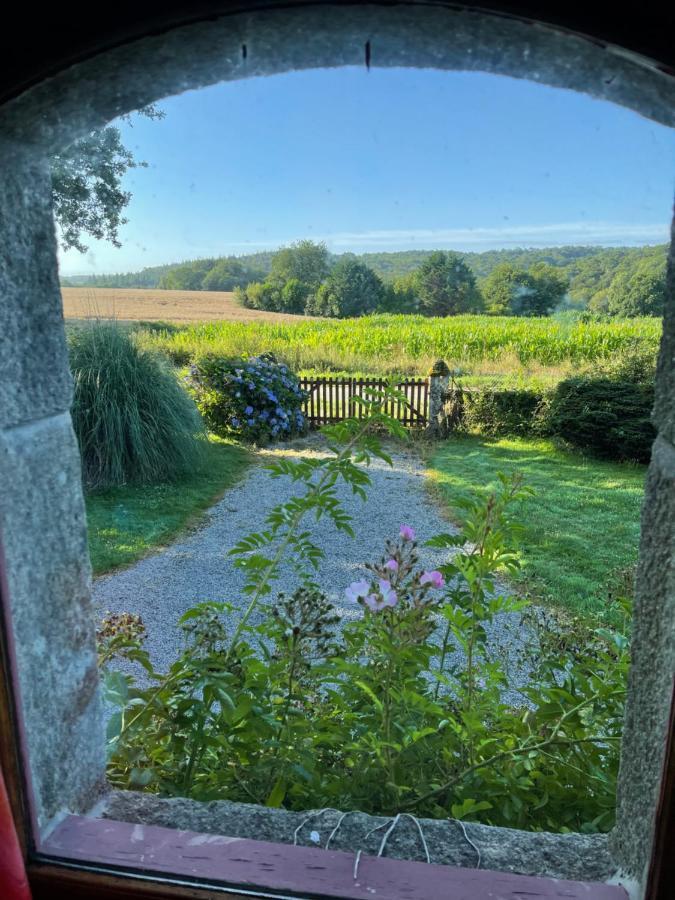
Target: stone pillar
{"points": [[653, 638], [42, 520], [439, 379]]}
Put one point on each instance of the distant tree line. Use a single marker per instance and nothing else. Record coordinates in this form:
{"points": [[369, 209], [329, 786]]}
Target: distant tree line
{"points": [[305, 278]]}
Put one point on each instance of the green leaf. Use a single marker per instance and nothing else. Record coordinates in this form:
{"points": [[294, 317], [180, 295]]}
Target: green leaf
{"points": [[277, 794]]}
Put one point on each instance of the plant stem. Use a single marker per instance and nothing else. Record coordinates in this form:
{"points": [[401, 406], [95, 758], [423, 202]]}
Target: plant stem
{"points": [[290, 533], [444, 653]]}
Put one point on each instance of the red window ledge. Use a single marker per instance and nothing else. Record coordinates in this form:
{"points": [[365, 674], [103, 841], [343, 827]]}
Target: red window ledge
{"points": [[278, 869]]}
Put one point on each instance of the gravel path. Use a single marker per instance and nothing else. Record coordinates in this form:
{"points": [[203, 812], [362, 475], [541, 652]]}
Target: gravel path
{"points": [[163, 586]]}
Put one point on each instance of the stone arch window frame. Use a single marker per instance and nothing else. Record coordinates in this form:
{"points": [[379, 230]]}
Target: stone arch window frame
{"points": [[277, 38]]}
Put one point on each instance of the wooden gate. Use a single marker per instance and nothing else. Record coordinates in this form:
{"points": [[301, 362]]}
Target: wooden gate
{"points": [[332, 399]]}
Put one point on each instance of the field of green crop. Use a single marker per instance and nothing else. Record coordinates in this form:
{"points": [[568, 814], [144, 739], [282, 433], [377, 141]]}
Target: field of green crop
{"points": [[409, 344]]}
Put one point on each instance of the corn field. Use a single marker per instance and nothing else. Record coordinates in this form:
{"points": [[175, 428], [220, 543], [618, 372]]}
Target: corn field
{"points": [[409, 344]]}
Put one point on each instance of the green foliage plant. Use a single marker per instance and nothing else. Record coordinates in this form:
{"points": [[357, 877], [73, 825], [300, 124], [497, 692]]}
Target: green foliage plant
{"points": [[351, 289], [509, 290], [87, 192], [609, 417], [256, 399], [446, 286], [495, 412], [134, 421], [405, 710]]}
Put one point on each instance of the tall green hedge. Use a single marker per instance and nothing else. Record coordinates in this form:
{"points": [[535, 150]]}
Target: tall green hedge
{"points": [[606, 416], [501, 412]]}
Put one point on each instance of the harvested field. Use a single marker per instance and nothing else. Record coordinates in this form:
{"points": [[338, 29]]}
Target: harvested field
{"points": [[138, 305]]}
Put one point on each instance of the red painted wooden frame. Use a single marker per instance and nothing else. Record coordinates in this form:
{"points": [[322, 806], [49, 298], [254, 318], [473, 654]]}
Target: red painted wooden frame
{"points": [[281, 870]]}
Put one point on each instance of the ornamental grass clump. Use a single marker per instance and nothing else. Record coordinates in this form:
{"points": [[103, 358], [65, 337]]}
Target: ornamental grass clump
{"points": [[134, 421], [256, 398]]}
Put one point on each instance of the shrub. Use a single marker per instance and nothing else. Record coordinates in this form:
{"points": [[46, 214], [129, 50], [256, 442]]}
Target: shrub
{"points": [[256, 398], [607, 416], [386, 716], [501, 412], [636, 364], [133, 420]]}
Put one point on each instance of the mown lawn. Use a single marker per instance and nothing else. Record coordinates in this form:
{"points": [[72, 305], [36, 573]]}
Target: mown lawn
{"points": [[582, 525], [126, 523]]}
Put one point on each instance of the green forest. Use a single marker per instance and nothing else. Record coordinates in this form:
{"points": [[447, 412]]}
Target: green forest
{"points": [[305, 278]]}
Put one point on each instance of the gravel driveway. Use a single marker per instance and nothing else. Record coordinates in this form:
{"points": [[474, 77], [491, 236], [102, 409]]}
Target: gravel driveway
{"points": [[163, 586]]}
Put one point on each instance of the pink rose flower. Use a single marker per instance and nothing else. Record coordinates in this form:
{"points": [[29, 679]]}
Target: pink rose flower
{"points": [[435, 579], [407, 533]]}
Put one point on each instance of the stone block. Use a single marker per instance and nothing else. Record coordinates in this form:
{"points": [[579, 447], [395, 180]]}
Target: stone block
{"points": [[34, 377], [44, 542], [652, 668]]}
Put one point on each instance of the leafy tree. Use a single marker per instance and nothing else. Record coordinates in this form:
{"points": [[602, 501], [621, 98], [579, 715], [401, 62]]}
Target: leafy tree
{"points": [[510, 291], [305, 260], [446, 286], [640, 293], [503, 286], [293, 296], [351, 289], [87, 192], [227, 274], [551, 285], [261, 295], [188, 276], [401, 296]]}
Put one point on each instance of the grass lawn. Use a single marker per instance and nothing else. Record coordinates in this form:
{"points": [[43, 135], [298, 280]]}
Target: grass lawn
{"points": [[126, 523], [582, 525]]}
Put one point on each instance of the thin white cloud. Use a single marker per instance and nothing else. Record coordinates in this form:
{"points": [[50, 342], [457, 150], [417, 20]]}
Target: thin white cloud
{"points": [[601, 233], [607, 234]]}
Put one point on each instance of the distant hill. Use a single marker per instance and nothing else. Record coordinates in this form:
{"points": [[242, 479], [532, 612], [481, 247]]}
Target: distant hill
{"points": [[589, 269], [146, 278]]}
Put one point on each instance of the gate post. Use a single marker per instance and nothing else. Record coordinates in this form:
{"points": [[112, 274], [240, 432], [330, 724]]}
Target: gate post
{"points": [[439, 378]]}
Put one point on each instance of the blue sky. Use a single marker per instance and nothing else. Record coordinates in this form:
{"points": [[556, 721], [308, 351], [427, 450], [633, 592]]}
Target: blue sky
{"points": [[390, 159]]}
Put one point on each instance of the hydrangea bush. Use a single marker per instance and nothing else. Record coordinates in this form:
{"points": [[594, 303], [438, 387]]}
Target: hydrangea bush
{"points": [[257, 398]]}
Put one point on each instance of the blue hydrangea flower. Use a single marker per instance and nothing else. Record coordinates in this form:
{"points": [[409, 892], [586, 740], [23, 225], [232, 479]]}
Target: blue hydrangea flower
{"points": [[235, 421], [250, 422], [248, 410]]}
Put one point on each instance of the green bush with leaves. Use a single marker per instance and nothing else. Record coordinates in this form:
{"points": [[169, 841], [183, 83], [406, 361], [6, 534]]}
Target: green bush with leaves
{"points": [[610, 417], [405, 710], [496, 413], [134, 421], [257, 399]]}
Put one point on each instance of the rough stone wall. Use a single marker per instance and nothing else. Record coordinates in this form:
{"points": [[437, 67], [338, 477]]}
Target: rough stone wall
{"points": [[42, 523], [653, 645], [93, 92]]}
